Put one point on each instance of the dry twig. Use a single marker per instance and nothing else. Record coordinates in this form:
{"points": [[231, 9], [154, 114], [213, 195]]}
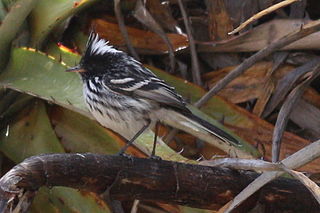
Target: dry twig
{"points": [[260, 165], [142, 14], [285, 110], [309, 184], [295, 160], [123, 29], [194, 57], [261, 14]]}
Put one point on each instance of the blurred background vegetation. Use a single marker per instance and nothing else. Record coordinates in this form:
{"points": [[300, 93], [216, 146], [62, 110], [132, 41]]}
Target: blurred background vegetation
{"points": [[42, 109]]}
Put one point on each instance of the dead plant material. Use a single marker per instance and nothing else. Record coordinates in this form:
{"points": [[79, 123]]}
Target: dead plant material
{"points": [[305, 30], [261, 14]]}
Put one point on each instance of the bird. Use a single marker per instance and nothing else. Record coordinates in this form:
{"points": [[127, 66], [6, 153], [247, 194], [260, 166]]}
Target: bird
{"points": [[128, 98]]}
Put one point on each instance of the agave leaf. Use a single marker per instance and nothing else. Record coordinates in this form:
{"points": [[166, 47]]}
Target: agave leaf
{"points": [[67, 200], [2, 92], [78, 133], [10, 26], [63, 54], [186, 209], [7, 99], [81, 134], [3, 11], [49, 14], [43, 76], [30, 135], [21, 102], [8, 3]]}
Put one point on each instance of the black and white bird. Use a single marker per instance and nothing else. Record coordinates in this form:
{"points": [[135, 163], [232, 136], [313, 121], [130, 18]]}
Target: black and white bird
{"points": [[127, 97]]}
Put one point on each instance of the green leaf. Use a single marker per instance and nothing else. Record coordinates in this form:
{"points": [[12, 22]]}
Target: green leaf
{"points": [[81, 134], [186, 209], [3, 11], [11, 111], [67, 200], [7, 99], [10, 26], [62, 53], [49, 14], [42, 76], [30, 135]]}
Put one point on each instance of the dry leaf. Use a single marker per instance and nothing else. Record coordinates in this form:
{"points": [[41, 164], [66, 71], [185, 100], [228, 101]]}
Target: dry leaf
{"points": [[261, 36], [146, 41]]}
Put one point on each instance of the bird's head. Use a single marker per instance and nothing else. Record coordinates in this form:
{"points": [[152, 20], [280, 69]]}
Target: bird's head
{"points": [[98, 56]]}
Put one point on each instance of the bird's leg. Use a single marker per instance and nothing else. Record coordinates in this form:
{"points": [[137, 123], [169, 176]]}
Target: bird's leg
{"points": [[153, 153], [129, 143]]}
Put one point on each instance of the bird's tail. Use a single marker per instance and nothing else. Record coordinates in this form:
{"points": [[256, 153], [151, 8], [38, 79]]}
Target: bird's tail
{"points": [[216, 131], [206, 131]]}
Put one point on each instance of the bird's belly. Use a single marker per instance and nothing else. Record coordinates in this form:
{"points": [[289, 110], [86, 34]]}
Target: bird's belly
{"points": [[125, 117], [126, 124]]}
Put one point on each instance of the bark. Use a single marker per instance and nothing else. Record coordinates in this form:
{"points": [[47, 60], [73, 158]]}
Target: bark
{"points": [[128, 178]]}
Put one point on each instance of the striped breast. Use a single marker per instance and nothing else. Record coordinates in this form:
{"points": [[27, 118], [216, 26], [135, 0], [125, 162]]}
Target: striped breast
{"points": [[122, 114]]}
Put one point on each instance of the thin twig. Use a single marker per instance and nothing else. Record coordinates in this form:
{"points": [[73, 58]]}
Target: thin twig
{"points": [[308, 183], [286, 109], [261, 14], [194, 57], [305, 30], [296, 160], [236, 163], [123, 29], [244, 164], [171, 134], [134, 208], [142, 14], [115, 205]]}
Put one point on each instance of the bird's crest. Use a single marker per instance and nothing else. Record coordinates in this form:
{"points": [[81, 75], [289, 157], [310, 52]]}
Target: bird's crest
{"points": [[99, 46]]}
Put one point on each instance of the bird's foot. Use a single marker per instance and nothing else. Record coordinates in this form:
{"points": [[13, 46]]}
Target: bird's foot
{"points": [[123, 154], [155, 157]]}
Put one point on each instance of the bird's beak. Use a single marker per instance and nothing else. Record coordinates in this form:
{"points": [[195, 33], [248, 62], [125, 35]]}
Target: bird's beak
{"points": [[76, 69]]}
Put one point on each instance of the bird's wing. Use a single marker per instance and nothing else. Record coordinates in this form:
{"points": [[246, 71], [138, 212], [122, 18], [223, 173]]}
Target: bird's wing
{"points": [[145, 85]]}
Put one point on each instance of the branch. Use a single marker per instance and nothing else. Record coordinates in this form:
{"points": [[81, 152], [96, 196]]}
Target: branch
{"points": [[146, 179]]}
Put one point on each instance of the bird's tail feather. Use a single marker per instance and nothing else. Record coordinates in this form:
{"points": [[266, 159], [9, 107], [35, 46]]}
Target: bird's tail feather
{"points": [[216, 131], [206, 131]]}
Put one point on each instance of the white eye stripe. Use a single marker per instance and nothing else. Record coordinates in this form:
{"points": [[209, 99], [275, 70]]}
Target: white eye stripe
{"points": [[121, 81]]}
